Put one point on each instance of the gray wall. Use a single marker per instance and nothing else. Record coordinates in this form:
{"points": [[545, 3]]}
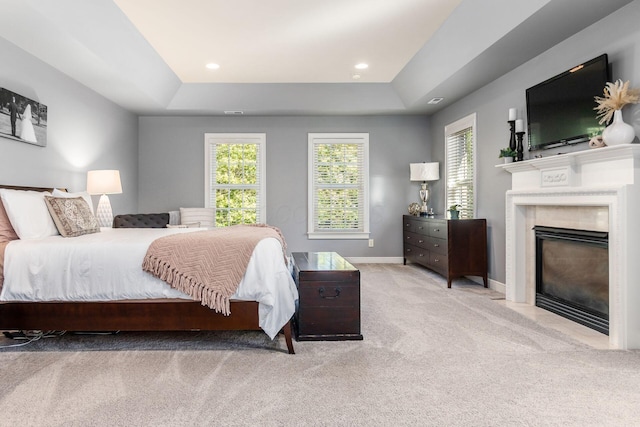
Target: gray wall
{"points": [[618, 35], [172, 170], [85, 131]]}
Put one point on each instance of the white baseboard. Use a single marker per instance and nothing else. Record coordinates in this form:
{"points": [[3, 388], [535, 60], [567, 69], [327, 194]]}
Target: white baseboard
{"points": [[498, 286], [493, 284], [375, 260]]}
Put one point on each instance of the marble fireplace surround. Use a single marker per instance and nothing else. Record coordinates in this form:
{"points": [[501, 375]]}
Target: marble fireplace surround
{"points": [[596, 189]]}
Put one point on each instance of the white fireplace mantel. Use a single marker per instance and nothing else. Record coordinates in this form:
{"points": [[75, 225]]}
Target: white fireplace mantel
{"points": [[604, 179]]}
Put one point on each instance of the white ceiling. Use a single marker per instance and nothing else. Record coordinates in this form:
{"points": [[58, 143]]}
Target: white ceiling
{"points": [[290, 56], [286, 41]]}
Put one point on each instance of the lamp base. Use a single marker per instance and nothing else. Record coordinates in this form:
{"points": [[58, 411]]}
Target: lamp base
{"points": [[104, 215]]}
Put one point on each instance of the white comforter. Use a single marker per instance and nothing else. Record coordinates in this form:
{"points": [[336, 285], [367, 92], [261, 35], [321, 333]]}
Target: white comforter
{"points": [[107, 266]]}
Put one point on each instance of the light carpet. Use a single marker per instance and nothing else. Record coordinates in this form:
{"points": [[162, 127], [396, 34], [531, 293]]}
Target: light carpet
{"points": [[431, 356]]}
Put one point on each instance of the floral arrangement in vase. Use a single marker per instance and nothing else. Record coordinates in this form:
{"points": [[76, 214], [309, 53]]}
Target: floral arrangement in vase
{"points": [[616, 95]]}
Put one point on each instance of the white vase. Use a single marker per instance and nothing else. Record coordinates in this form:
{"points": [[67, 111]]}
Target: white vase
{"points": [[618, 132], [508, 159]]}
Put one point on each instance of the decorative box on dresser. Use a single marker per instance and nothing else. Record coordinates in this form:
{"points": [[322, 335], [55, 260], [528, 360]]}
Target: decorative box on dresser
{"points": [[452, 247], [329, 297]]}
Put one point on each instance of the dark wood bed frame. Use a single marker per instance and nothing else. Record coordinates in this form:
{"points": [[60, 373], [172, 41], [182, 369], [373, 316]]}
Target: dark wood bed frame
{"points": [[138, 315]]}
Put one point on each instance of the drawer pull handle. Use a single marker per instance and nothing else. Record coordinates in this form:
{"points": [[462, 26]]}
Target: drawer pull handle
{"points": [[322, 295], [421, 255], [437, 260], [436, 230], [408, 249], [420, 241], [436, 245]]}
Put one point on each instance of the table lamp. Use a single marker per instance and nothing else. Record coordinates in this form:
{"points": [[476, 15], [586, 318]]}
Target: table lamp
{"points": [[104, 182], [424, 172]]}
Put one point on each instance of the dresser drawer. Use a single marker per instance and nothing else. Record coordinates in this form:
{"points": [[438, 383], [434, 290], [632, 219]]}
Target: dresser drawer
{"points": [[439, 262], [438, 229], [437, 245], [416, 239], [416, 253]]}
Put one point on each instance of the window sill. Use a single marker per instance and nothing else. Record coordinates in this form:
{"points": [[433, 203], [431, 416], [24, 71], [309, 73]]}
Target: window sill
{"points": [[338, 236]]}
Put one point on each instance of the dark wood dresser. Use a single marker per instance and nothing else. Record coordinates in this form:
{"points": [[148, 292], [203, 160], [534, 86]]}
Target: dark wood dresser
{"points": [[451, 247], [329, 304]]}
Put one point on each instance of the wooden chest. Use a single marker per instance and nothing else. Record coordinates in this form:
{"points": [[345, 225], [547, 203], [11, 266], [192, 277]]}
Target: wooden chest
{"points": [[329, 304]]}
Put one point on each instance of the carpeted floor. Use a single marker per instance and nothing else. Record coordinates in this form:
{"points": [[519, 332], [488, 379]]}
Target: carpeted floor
{"points": [[431, 356]]}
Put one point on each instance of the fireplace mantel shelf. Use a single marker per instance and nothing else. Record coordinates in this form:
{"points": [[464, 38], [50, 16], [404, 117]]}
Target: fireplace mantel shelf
{"points": [[595, 155]]}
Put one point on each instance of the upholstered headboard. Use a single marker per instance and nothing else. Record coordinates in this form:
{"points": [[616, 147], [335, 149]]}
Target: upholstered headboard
{"points": [[152, 220]]}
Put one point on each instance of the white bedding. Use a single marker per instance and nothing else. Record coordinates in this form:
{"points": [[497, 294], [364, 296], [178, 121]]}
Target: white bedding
{"points": [[107, 266]]}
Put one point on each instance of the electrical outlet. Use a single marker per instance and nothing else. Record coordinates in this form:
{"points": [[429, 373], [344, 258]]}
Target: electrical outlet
{"points": [[370, 243]]}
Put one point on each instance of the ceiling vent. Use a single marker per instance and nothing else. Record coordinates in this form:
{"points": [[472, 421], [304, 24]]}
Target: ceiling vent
{"points": [[234, 112], [434, 100]]}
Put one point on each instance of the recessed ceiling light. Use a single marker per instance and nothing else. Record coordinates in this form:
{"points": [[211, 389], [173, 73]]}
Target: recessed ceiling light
{"points": [[362, 66], [213, 66], [434, 100], [355, 76], [234, 112]]}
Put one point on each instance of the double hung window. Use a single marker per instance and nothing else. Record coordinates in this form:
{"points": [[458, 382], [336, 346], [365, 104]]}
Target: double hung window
{"points": [[460, 147], [235, 177], [338, 186]]}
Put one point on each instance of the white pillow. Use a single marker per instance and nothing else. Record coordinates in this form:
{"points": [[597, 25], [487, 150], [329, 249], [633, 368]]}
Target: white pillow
{"points": [[28, 213], [205, 216], [174, 217], [83, 194]]}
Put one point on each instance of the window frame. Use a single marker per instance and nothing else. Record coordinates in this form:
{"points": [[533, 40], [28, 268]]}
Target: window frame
{"points": [[237, 138], [339, 138], [466, 122]]}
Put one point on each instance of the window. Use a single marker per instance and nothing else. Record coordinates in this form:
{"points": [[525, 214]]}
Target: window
{"points": [[460, 140], [235, 177], [338, 186]]}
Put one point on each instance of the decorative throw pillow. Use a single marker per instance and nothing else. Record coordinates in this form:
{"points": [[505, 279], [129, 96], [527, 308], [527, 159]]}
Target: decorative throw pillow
{"points": [[190, 225], [83, 194], [28, 213], [205, 216], [7, 233], [73, 217]]}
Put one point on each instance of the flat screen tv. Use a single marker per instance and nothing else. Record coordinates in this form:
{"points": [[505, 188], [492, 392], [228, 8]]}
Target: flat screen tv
{"points": [[560, 111]]}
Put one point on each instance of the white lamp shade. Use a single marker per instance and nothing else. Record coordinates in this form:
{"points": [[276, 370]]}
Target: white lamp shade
{"points": [[425, 171], [104, 182]]}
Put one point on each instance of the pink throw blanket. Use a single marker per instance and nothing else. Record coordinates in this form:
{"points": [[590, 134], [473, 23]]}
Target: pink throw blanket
{"points": [[208, 265]]}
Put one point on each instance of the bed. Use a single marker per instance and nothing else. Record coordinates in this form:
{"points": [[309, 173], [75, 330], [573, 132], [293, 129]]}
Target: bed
{"points": [[23, 307]]}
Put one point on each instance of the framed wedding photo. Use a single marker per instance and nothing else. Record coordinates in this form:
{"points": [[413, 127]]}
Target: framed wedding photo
{"points": [[22, 119]]}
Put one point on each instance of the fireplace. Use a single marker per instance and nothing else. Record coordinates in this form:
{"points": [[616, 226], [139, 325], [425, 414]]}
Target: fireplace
{"points": [[572, 275], [602, 186]]}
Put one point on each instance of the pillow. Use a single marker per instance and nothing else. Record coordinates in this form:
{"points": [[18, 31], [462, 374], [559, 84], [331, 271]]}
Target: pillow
{"points": [[83, 194], [73, 217], [205, 216], [7, 233], [174, 217], [190, 225], [28, 213]]}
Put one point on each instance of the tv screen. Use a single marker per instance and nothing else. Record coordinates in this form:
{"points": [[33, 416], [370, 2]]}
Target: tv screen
{"points": [[560, 111]]}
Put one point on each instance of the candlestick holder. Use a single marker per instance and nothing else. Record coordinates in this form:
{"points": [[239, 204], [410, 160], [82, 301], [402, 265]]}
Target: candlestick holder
{"points": [[519, 148], [512, 139]]}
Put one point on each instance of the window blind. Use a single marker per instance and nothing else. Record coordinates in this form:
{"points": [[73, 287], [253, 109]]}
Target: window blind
{"points": [[339, 186], [460, 159]]}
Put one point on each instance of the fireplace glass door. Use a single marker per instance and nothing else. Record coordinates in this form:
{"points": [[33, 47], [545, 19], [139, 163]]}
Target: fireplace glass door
{"points": [[572, 275]]}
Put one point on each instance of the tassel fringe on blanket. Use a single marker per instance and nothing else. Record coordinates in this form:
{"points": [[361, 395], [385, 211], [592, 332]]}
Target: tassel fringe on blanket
{"points": [[208, 265]]}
